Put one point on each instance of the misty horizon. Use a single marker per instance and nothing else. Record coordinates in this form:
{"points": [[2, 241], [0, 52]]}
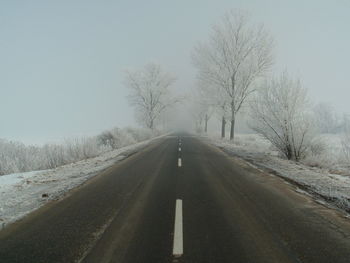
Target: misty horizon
{"points": [[62, 63]]}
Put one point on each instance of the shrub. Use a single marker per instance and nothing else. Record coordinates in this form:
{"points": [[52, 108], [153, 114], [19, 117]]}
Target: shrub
{"points": [[16, 157]]}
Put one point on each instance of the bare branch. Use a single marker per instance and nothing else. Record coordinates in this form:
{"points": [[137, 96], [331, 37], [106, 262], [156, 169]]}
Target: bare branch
{"points": [[236, 55], [149, 92]]}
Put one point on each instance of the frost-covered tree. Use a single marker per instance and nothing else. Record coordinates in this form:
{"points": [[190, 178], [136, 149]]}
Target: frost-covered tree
{"points": [[235, 56], [201, 112], [149, 92], [198, 112], [280, 114], [215, 101], [16, 157], [205, 103], [326, 118]]}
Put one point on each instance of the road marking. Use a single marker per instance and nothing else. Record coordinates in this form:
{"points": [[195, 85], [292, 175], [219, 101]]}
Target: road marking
{"points": [[178, 233], [179, 162], [179, 149]]}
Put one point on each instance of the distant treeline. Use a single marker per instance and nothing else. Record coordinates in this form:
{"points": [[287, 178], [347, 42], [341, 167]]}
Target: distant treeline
{"points": [[17, 157]]}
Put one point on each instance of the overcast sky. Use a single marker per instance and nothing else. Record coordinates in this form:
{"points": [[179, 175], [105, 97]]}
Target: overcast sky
{"points": [[61, 61]]}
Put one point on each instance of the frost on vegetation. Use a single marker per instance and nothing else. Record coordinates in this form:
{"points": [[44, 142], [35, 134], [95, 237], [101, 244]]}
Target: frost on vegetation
{"points": [[15, 157], [22, 193], [322, 173], [229, 64], [280, 114], [150, 93], [345, 143]]}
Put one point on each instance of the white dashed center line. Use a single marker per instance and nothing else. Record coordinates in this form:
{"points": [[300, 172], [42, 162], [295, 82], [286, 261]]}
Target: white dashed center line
{"points": [[178, 233], [179, 149], [179, 162]]}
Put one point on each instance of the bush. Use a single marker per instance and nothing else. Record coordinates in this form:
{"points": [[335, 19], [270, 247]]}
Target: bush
{"points": [[107, 140], [280, 114], [317, 147], [320, 154], [16, 157], [345, 143]]}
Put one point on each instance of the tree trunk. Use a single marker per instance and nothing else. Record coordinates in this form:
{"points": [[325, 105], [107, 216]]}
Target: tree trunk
{"points": [[206, 123], [233, 112], [223, 127], [232, 130], [151, 124]]}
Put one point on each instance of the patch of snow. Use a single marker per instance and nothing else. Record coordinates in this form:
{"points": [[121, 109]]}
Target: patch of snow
{"points": [[318, 181], [22, 193], [9, 180]]}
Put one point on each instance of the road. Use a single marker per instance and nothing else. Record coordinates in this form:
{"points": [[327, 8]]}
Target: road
{"points": [[225, 210]]}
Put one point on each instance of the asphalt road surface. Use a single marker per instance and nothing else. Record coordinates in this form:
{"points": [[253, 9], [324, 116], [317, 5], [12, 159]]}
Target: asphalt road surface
{"points": [[180, 200]]}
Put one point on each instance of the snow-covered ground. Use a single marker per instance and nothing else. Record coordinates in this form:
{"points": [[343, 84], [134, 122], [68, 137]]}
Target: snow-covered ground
{"points": [[23, 193], [328, 179]]}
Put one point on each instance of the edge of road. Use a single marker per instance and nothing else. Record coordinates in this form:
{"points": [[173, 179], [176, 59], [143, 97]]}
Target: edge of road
{"points": [[297, 187], [130, 155], [152, 144], [223, 181]]}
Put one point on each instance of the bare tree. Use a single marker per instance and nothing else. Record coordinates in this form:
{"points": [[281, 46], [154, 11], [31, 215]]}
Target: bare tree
{"points": [[206, 102], [201, 111], [222, 110], [235, 56], [279, 113], [198, 113], [326, 118], [215, 101], [149, 92], [345, 123], [345, 138]]}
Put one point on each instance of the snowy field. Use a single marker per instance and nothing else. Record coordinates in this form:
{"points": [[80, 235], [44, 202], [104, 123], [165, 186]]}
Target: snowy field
{"points": [[325, 176], [23, 193]]}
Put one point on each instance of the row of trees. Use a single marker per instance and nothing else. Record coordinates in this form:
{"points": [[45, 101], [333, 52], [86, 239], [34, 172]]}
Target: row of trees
{"points": [[235, 57], [232, 73], [16, 157], [233, 68], [230, 63]]}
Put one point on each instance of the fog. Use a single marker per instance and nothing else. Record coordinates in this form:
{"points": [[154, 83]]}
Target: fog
{"points": [[62, 63]]}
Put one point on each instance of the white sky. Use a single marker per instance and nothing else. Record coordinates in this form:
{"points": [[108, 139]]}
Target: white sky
{"points": [[61, 61]]}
